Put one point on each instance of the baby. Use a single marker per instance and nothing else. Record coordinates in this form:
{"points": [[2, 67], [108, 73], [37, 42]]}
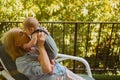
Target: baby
{"points": [[31, 26]]}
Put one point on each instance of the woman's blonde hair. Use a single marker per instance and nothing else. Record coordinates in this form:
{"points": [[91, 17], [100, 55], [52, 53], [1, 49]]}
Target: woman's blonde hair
{"points": [[9, 43]]}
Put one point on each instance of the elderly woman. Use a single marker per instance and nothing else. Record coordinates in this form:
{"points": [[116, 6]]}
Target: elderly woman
{"points": [[36, 66]]}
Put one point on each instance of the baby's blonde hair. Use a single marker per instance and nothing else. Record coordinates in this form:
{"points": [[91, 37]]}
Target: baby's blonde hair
{"points": [[31, 22], [8, 41]]}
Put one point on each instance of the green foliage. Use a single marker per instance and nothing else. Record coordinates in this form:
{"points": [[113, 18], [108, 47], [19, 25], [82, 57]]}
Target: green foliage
{"points": [[106, 77], [60, 10]]}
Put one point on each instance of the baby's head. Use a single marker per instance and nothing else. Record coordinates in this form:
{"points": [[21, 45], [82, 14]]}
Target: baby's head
{"points": [[30, 24]]}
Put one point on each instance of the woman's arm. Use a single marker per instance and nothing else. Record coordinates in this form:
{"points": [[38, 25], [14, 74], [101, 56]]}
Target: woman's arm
{"points": [[43, 57]]}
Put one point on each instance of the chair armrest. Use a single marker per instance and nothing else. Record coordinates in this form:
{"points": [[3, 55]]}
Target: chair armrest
{"points": [[65, 57]]}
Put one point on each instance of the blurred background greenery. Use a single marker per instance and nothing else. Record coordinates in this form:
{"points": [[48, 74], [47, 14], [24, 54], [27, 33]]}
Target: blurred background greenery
{"points": [[60, 10]]}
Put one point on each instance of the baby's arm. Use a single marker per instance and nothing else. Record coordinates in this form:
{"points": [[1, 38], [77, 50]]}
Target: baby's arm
{"points": [[32, 42]]}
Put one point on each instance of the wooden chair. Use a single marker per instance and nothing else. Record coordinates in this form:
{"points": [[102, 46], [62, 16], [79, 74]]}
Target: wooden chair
{"points": [[11, 72]]}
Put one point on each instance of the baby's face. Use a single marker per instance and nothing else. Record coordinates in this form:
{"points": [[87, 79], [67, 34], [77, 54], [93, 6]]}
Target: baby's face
{"points": [[29, 31]]}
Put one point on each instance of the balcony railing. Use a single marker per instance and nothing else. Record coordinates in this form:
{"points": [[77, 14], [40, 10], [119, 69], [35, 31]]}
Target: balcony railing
{"points": [[97, 42]]}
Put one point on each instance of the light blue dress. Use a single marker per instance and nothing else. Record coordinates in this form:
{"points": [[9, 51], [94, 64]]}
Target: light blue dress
{"points": [[29, 66]]}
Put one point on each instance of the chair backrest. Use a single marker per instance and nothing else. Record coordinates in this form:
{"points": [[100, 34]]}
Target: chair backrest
{"points": [[10, 65]]}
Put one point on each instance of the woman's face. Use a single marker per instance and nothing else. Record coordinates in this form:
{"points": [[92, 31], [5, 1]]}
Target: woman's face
{"points": [[21, 38]]}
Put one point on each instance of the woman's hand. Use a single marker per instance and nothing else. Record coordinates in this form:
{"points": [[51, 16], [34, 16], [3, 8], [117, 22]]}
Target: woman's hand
{"points": [[41, 38]]}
